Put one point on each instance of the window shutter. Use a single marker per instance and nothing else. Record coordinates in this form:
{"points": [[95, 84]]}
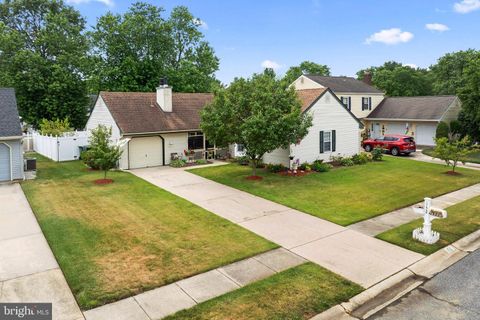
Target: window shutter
{"points": [[349, 103], [321, 141], [369, 103], [334, 140]]}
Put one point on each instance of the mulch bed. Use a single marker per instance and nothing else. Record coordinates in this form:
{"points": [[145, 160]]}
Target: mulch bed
{"points": [[103, 181], [453, 173], [254, 178], [290, 173]]}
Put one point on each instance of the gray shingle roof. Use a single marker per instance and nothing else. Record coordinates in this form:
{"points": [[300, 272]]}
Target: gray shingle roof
{"points": [[421, 108], [9, 119], [343, 84]]}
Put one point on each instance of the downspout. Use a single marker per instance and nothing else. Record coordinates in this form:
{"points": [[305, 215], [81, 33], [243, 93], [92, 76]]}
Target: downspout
{"points": [[163, 150], [11, 160]]}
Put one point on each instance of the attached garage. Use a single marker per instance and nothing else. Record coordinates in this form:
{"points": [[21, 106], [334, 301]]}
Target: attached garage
{"points": [[5, 170], [11, 151], [144, 152], [425, 134], [414, 116]]}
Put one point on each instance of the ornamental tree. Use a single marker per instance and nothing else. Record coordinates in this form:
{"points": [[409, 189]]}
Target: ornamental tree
{"points": [[102, 154], [259, 112], [452, 150]]}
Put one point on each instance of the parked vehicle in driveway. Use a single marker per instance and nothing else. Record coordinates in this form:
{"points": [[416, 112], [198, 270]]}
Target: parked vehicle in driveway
{"points": [[396, 144]]}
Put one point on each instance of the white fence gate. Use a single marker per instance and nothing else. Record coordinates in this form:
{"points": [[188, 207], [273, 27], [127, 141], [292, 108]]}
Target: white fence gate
{"points": [[63, 148]]}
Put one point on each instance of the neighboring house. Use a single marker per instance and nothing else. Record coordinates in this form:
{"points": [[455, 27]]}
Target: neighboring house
{"points": [[335, 130], [358, 96], [415, 116], [237, 150], [11, 151], [151, 128]]}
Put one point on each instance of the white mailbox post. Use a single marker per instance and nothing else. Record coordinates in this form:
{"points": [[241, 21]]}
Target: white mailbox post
{"points": [[426, 234]]}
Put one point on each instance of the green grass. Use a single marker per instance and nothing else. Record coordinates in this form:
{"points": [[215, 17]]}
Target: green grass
{"points": [[117, 240], [349, 194], [297, 293], [473, 157], [463, 219]]}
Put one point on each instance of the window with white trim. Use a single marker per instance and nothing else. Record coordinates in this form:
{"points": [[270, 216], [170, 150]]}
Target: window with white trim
{"points": [[327, 141], [366, 103], [347, 102]]}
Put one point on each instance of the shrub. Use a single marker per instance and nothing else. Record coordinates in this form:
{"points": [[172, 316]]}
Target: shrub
{"points": [[102, 154], [336, 160], [319, 166], [55, 127], [275, 167], [178, 163], [377, 154], [88, 158], [442, 130], [305, 166], [455, 127], [361, 158], [201, 161], [347, 162]]}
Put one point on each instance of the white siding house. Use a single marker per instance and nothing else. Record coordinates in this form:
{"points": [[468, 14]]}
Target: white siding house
{"points": [[335, 130]]}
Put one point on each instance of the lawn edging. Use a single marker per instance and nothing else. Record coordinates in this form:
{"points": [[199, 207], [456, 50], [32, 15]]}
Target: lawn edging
{"points": [[382, 294]]}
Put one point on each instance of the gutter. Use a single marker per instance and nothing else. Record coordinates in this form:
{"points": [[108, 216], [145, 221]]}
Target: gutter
{"points": [[396, 119], [11, 138]]}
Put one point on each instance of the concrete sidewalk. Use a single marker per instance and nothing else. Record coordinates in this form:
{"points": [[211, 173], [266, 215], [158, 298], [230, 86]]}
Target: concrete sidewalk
{"points": [[355, 256], [186, 293], [419, 156], [28, 269], [396, 218]]}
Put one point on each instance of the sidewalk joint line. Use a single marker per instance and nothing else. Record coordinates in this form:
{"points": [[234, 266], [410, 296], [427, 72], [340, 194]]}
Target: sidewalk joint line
{"points": [[138, 303], [324, 237], [193, 299]]}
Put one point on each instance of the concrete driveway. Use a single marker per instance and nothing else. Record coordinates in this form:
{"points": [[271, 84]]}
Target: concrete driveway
{"points": [[28, 269], [358, 257]]}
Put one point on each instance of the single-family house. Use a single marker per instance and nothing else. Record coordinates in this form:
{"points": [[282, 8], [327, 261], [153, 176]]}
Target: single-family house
{"points": [[11, 151], [415, 116], [360, 97], [152, 128], [334, 130]]}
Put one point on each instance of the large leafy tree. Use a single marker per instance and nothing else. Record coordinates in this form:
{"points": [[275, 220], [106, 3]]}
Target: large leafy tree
{"points": [[396, 79], [259, 112], [42, 55], [306, 67], [134, 50]]}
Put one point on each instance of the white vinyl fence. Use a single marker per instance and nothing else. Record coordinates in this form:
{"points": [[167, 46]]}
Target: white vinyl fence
{"points": [[64, 148]]}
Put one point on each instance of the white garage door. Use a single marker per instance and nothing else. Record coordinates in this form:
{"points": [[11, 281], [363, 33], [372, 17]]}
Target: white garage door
{"points": [[145, 152], [425, 134], [4, 162], [396, 128]]}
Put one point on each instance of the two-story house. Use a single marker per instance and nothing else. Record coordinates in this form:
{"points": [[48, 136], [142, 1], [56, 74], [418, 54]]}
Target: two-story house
{"points": [[359, 97]]}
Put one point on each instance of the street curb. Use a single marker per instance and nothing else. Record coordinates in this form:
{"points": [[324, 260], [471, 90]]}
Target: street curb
{"points": [[375, 298]]}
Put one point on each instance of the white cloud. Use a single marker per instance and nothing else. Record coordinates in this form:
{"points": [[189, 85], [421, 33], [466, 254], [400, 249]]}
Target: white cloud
{"points": [[269, 64], [108, 3], [202, 24], [411, 65], [390, 36], [437, 27], [466, 6]]}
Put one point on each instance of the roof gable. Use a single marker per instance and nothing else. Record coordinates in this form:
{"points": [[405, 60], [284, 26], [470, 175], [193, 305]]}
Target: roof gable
{"points": [[138, 112], [413, 108], [344, 84], [309, 97], [9, 118]]}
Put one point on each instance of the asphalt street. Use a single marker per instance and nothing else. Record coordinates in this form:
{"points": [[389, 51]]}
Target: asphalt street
{"points": [[452, 294]]}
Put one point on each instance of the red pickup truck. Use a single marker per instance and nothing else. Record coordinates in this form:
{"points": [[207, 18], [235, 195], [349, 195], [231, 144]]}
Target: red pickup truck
{"points": [[396, 144]]}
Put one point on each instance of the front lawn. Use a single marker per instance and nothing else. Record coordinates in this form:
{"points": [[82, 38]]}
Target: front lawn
{"points": [[463, 219], [472, 157], [117, 240], [297, 293], [349, 194]]}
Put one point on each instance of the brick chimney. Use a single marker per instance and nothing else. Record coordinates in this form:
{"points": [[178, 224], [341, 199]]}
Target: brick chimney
{"points": [[164, 95], [367, 78]]}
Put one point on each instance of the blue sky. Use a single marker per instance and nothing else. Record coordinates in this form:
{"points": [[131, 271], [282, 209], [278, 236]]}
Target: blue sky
{"points": [[347, 35]]}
